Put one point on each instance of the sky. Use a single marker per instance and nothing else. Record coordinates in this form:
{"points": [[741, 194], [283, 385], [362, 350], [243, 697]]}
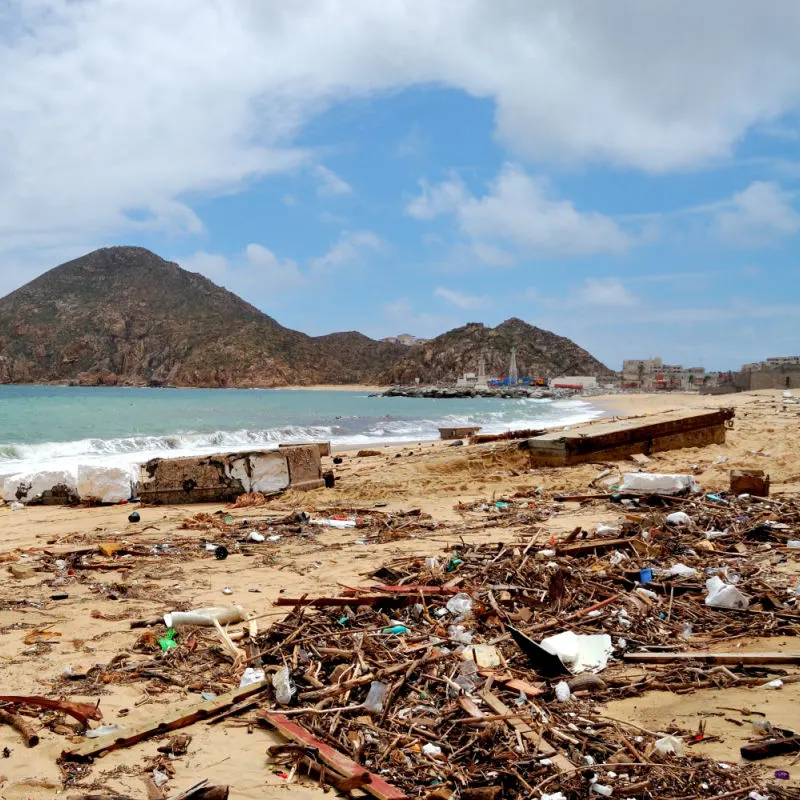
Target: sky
{"points": [[623, 173]]}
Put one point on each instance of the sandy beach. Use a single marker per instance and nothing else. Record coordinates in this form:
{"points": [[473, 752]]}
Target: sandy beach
{"points": [[42, 639]]}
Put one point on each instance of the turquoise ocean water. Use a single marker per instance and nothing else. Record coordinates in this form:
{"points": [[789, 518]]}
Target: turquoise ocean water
{"points": [[59, 427]]}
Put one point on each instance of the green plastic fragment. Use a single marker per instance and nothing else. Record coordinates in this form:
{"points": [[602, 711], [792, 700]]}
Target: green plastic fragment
{"points": [[167, 641]]}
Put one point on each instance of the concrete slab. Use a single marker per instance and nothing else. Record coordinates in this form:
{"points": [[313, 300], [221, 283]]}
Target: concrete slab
{"points": [[621, 438]]}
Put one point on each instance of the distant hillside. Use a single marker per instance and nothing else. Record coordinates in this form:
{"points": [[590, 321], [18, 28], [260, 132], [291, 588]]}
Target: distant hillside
{"points": [[540, 353], [122, 315]]}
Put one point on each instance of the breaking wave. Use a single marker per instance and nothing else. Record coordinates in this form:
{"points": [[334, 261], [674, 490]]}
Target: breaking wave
{"points": [[343, 431]]}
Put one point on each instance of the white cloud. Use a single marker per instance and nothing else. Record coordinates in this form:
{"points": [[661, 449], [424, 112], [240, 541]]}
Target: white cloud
{"points": [[441, 198], [330, 184], [604, 293], [289, 200], [108, 106], [759, 214], [399, 316], [462, 300], [255, 272], [491, 255], [521, 210], [351, 248]]}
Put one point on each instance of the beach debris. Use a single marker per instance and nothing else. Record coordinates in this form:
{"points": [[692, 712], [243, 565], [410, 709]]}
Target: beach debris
{"points": [[656, 483], [340, 524], [29, 736], [724, 595], [134, 516], [205, 617], [580, 652], [749, 481], [332, 759], [21, 571], [160, 725], [83, 712], [669, 745], [679, 518], [252, 675], [284, 688], [563, 692]]}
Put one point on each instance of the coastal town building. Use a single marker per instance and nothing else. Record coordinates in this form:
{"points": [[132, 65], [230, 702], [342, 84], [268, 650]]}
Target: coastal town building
{"points": [[780, 372], [651, 374]]}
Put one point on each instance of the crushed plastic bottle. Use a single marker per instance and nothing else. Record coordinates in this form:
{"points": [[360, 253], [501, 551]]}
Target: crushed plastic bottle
{"points": [[376, 697], [251, 676], [284, 688], [459, 605]]}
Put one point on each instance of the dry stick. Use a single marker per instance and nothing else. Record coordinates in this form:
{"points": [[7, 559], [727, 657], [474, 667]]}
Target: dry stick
{"points": [[19, 724], [291, 712]]}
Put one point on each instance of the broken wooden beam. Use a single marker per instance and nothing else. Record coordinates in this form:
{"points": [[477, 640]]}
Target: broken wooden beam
{"points": [[83, 712], [171, 722], [331, 757], [561, 762], [771, 747], [21, 726], [714, 658]]}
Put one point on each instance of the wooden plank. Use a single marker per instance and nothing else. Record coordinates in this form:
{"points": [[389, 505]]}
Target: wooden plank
{"points": [[589, 545], [331, 757], [561, 762], [179, 719], [714, 658]]}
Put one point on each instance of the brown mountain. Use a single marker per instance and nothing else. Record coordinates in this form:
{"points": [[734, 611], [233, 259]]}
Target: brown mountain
{"points": [[124, 315], [539, 353]]}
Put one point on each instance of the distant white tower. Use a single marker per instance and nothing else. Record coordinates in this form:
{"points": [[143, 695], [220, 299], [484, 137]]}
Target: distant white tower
{"points": [[513, 374], [481, 379]]}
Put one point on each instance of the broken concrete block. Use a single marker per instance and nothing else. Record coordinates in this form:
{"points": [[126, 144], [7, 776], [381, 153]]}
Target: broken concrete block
{"points": [[750, 481], [21, 571], [215, 478], [305, 471]]}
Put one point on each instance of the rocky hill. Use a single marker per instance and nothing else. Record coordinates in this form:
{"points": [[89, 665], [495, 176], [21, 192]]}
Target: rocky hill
{"points": [[540, 353], [122, 315]]}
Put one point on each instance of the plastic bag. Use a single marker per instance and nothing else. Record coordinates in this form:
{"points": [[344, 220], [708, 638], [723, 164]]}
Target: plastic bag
{"points": [[724, 595], [284, 688]]}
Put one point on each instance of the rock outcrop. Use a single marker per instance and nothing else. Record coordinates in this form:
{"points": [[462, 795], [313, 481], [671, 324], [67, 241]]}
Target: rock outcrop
{"points": [[540, 354]]}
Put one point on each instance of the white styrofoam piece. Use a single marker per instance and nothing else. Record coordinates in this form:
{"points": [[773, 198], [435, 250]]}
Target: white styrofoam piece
{"points": [[105, 484]]}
